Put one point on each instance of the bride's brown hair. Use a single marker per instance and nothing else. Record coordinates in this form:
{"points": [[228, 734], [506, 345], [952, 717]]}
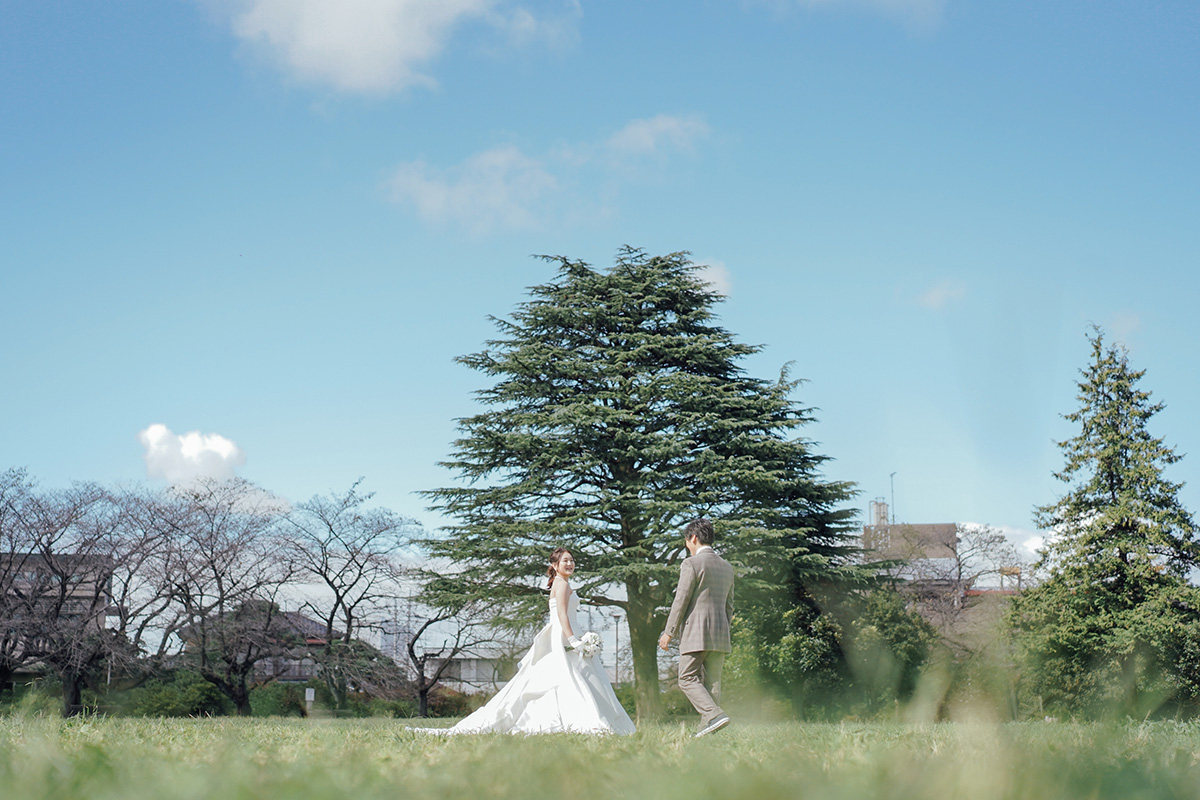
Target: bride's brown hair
{"points": [[552, 570]]}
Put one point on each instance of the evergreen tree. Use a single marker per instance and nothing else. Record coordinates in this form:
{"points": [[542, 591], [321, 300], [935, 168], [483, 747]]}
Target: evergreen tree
{"points": [[1114, 627], [620, 412]]}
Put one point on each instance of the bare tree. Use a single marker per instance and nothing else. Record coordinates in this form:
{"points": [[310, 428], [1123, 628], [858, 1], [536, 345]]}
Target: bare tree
{"points": [[352, 554], [451, 627], [941, 579], [229, 565], [985, 553], [61, 563], [16, 553], [430, 666], [145, 611]]}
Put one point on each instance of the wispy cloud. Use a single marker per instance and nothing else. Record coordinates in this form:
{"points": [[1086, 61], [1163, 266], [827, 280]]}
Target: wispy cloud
{"points": [[507, 188], [372, 46], [498, 188], [557, 29], [180, 458], [1123, 326], [654, 135], [716, 275], [942, 294]]}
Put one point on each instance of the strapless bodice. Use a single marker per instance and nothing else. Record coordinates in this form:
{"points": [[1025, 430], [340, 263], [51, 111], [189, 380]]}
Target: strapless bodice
{"points": [[572, 605]]}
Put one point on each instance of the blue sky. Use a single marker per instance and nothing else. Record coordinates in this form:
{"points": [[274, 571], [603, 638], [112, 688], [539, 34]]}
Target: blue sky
{"points": [[275, 223]]}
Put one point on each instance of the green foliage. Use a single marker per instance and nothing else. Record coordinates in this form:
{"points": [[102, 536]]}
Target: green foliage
{"points": [[798, 651], [444, 702], [400, 709], [863, 655], [887, 649], [278, 700], [361, 704], [618, 412], [627, 697], [1113, 629], [32, 700], [355, 663], [183, 694], [1085, 653]]}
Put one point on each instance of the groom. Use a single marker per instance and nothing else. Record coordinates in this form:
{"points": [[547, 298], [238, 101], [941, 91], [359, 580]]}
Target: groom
{"points": [[704, 606]]}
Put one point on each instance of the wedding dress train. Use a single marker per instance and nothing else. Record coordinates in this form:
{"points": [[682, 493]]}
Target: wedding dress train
{"points": [[555, 689]]}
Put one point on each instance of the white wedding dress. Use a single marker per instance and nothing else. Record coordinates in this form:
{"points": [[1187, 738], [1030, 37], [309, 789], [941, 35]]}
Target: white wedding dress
{"points": [[554, 690]]}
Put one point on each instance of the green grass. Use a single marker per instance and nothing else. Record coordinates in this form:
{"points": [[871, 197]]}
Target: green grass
{"points": [[102, 758]]}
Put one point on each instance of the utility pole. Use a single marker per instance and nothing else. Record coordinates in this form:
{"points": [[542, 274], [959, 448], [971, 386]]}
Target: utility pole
{"points": [[893, 479], [617, 648]]}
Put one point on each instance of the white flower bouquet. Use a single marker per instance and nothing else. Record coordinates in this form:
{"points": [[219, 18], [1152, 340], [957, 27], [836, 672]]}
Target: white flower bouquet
{"points": [[588, 645]]}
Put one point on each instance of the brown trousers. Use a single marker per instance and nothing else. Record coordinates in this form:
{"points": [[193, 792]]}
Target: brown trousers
{"points": [[700, 680]]}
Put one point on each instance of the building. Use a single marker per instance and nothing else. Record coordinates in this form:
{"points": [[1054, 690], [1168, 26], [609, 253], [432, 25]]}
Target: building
{"points": [[50, 604], [925, 555], [394, 636], [283, 640], [961, 584], [294, 665], [481, 670]]}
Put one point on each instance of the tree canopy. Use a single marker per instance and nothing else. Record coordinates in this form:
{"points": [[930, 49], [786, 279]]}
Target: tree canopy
{"points": [[618, 411], [1115, 626]]}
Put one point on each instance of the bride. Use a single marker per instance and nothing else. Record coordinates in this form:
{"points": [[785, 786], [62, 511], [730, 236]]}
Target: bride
{"points": [[560, 684]]}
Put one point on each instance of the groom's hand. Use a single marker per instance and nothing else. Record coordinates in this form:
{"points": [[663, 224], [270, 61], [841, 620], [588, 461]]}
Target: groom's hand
{"points": [[664, 641]]}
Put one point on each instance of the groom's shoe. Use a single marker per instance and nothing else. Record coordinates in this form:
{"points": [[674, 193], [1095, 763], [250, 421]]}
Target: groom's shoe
{"points": [[714, 726]]}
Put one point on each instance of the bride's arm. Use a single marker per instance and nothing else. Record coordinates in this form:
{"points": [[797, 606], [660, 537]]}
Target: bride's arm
{"points": [[562, 593]]}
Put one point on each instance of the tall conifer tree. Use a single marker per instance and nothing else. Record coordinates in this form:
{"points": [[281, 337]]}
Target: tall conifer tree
{"points": [[619, 412], [1114, 626]]}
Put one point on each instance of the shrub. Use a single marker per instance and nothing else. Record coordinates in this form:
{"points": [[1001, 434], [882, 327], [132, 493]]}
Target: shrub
{"points": [[445, 702], [278, 700], [181, 694], [31, 700]]}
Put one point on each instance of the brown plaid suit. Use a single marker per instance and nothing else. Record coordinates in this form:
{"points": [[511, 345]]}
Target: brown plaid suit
{"points": [[703, 605]]}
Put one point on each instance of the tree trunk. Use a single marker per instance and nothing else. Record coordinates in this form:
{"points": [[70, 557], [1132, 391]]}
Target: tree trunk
{"points": [[239, 691], [423, 702], [333, 671], [643, 645], [340, 691], [232, 685], [72, 695], [6, 678], [241, 699], [335, 682]]}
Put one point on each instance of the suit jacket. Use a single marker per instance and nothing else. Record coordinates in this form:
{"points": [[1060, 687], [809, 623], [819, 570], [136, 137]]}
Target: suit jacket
{"points": [[703, 604]]}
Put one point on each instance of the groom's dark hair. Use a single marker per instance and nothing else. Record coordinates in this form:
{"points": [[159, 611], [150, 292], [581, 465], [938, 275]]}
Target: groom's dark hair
{"points": [[702, 529]]}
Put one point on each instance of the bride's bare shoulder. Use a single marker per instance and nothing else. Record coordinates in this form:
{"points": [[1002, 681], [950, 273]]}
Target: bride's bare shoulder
{"points": [[561, 590]]}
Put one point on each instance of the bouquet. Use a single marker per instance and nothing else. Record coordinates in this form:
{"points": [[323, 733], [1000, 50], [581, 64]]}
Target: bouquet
{"points": [[588, 645]]}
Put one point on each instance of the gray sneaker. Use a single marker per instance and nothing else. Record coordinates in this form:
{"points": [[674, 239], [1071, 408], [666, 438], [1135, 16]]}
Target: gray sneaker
{"points": [[714, 726]]}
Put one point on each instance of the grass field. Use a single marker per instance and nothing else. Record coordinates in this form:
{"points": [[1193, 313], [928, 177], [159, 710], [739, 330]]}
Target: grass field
{"points": [[97, 758]]}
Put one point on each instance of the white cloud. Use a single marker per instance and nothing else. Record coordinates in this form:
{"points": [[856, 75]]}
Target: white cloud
{"points": [[1023, 539], [524, 27], [374, 46], [180, 458], [943, 294], [498, 188], [716, 275], [505, 188], [645, 136]]}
